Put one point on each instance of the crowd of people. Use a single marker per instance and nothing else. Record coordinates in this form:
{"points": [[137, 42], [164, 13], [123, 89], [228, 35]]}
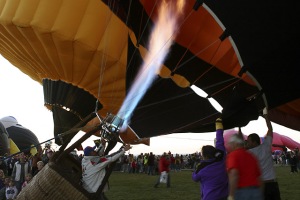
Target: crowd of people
{"points": [[287, 158], [18, 170], [148, 163], [244, 172]]}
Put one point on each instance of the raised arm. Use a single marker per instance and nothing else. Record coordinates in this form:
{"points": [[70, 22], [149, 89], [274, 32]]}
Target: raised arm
{"points": [[101, 147], [240, 133], [115, 156], [219, 135], [268, 122]]}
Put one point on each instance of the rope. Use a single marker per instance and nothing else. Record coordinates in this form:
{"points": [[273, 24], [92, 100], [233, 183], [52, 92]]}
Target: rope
{"points": [[102, 65], [179, 64], [226, 87], [168, 40], [212, 66]]}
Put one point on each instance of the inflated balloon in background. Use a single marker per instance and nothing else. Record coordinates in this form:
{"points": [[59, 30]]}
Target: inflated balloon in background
{"points": [[21, 136]]}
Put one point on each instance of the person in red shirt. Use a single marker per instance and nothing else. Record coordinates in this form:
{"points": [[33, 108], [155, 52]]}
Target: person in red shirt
{"points": [[164, 167], [133, 166], [172, 161], [243, 172]]}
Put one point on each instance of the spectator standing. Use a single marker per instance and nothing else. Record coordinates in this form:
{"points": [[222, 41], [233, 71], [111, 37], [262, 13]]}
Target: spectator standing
{"points": [[28, 178], [133, 166], [140, 161], [2, 179], [298, 157], [3, 165], [146, 156], [293, 162], [283, 159], [40, 164], [3, 190], [151, 164], [34, 159], [124, 161], [211, 172], [287, 158], [10, 164], [177, 162], [164, 166], [47, 156], [11, 191], [172, 165], [21, 168], [243, 172], [130, 160]]}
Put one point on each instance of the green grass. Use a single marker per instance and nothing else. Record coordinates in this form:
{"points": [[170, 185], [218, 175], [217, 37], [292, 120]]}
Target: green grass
{"points": [[140, 186], [289, 184]]}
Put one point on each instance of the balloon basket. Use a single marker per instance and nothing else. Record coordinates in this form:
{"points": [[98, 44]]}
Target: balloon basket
{"points": [[57, 181], [60, 179]]}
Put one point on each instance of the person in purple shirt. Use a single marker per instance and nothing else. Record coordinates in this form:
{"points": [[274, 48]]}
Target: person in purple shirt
{"points": [[211, 172]]}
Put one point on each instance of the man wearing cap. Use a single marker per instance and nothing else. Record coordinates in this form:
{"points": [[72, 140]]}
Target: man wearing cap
{"points": [[93, 166]]}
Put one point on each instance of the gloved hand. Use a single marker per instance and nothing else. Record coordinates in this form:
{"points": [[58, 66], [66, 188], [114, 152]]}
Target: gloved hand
{"points": [[97, 142], [219, 124], [230, 198], [265, 111]]}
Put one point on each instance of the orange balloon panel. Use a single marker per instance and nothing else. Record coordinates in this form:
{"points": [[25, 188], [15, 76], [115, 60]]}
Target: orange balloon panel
{"points": [[200, 33]]}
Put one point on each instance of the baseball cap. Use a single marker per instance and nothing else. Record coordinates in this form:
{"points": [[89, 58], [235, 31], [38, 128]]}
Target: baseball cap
{"points": [[87, 150]]}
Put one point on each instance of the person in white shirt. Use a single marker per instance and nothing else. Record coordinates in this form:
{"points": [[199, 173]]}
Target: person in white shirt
{"points": [[263, 153], [21, 168], [11, 191], [94, 166]]}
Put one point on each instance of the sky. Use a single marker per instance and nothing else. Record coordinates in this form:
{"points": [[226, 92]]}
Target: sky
{"points": [[23, 98]]}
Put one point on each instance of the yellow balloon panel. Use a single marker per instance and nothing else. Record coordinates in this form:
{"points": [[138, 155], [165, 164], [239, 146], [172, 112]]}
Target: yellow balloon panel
{"points": [[13, 148], [25, 12], [8, 10], [2, 3], [46, 15], [79, 42]]}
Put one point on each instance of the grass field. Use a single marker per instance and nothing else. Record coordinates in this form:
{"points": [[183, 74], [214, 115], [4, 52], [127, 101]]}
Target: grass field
{"points": [[140, 186]]}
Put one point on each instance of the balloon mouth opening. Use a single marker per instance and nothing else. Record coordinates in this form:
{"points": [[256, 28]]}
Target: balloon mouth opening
{"points": [[68, 103]]}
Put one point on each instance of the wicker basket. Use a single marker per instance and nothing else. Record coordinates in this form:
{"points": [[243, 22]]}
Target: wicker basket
{"points": [[60, 179], [48, 184]]}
